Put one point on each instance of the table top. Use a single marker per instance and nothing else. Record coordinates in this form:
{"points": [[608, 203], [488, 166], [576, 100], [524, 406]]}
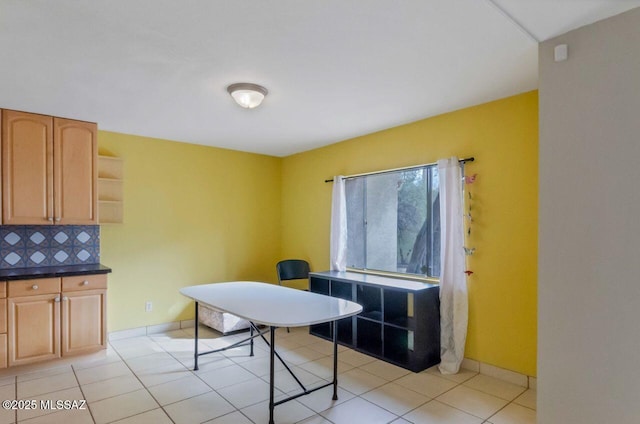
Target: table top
{"points": [[271, 304]]}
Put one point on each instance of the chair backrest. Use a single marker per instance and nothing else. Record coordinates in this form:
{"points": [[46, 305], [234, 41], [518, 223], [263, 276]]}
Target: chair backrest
{"points": [[292, 269]]}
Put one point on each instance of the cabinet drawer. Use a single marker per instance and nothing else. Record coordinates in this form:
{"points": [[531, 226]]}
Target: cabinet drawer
{"points": [[3, 289], [84, 282], [34, 287]]}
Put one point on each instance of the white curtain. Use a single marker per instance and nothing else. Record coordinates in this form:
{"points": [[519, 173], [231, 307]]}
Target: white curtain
{"points": [[453, 281], [338, 245]]}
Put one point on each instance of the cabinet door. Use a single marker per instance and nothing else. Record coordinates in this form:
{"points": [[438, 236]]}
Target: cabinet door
{"points": [[84, 321], [34, 328], [3, 316], [27, 168], [3, 351], [3, 333], [75, 172]]}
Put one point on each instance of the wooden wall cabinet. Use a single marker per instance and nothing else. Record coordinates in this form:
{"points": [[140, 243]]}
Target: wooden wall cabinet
{"points": [[75, 172], [49, 170], [53, 317]]}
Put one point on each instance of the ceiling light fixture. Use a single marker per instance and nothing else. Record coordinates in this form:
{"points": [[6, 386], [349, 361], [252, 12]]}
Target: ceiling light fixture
{"points": [[247, 95]]}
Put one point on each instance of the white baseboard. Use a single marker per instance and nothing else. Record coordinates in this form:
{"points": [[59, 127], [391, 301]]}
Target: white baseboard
{"points": [[150, 329]]}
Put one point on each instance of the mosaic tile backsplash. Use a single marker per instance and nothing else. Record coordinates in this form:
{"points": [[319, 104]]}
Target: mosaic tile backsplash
{"points": [[28, 246]]}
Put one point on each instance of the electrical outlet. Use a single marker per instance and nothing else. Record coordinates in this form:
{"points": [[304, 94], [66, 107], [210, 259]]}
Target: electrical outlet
{"points": [[148, 307]]}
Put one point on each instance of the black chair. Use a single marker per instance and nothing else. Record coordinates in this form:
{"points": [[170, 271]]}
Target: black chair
{"points": [[292, 269]]}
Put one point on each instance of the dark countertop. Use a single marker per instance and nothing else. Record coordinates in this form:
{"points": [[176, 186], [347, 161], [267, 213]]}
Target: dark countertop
{"points": [[52, 271]]}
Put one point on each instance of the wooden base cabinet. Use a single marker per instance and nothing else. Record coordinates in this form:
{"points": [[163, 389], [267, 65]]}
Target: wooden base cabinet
{"points": [[3, 325], [83, 321], [34, 328], [3, 351], [52, 317]]}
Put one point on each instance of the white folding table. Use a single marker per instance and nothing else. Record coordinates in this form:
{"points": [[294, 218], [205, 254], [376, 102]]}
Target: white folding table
{"points": [[273, 306]]}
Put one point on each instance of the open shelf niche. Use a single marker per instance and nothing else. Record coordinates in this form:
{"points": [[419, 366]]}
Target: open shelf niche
{"points": [[110, 190]]}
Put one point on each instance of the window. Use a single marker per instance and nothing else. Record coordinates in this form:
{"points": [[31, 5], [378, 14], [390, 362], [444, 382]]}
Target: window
{"points": [[393, 222]]}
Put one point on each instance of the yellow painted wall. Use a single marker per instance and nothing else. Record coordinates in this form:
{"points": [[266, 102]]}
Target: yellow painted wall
{"points": [[193, 214], [196, 214], [503, 137]]}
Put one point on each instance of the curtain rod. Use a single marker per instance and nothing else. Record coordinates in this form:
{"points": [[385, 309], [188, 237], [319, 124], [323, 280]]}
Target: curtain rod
{"points": [[462, 161]]}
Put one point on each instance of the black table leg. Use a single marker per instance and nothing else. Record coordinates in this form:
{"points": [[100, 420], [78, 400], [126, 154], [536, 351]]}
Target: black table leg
{"points": [[271, 373], [195, 356], [251, 342], [335, 360]]}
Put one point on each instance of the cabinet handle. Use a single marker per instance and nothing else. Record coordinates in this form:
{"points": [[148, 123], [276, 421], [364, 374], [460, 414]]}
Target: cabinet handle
{"points": [[50, 219], [85, 283], [57, 299], [35, 287], [58, 219], [65, 298]]}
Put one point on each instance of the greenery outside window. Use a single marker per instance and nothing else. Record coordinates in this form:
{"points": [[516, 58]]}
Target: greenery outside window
{"points": [[393, 222]]}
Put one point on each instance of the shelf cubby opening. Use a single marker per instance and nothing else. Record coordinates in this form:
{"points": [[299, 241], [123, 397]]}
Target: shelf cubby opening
{"points": [[396, 307], [371, 300], [110, 167], [322, 330], [369, 336], [345, 331], [319, 285], [398, 344], [341, 290]]}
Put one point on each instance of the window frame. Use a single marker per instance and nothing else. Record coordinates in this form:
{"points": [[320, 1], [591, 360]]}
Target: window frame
{"points": [[429, 206]]}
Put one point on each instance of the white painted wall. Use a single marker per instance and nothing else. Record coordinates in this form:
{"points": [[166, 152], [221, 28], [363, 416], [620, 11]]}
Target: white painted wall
{"points": [[589, 241]]}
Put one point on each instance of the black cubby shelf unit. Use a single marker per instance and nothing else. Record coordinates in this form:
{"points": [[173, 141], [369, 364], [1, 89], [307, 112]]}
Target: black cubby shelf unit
{"points": [[399, 322]]}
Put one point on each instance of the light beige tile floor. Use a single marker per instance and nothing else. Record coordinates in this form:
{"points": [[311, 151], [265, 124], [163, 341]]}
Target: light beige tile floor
{"points": [[150, 380]]}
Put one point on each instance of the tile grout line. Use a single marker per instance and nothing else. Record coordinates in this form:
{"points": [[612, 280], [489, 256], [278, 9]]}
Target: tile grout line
{"points": [[15, 413], [495, 413], [283, 392], [204, 382], [480, 391], [82, 392], [407, 388], [212, 389], [191, 372], [237, 364], [42, 394], [143, 386], [431, 399], [235, 360], [458, 384]]}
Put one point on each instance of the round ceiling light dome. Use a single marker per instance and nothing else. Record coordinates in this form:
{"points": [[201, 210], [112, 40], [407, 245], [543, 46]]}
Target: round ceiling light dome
{"points": [[247, 95]]}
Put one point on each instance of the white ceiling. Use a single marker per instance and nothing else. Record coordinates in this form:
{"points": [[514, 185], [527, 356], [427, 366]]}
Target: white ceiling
{"points": [[335, 69]]}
